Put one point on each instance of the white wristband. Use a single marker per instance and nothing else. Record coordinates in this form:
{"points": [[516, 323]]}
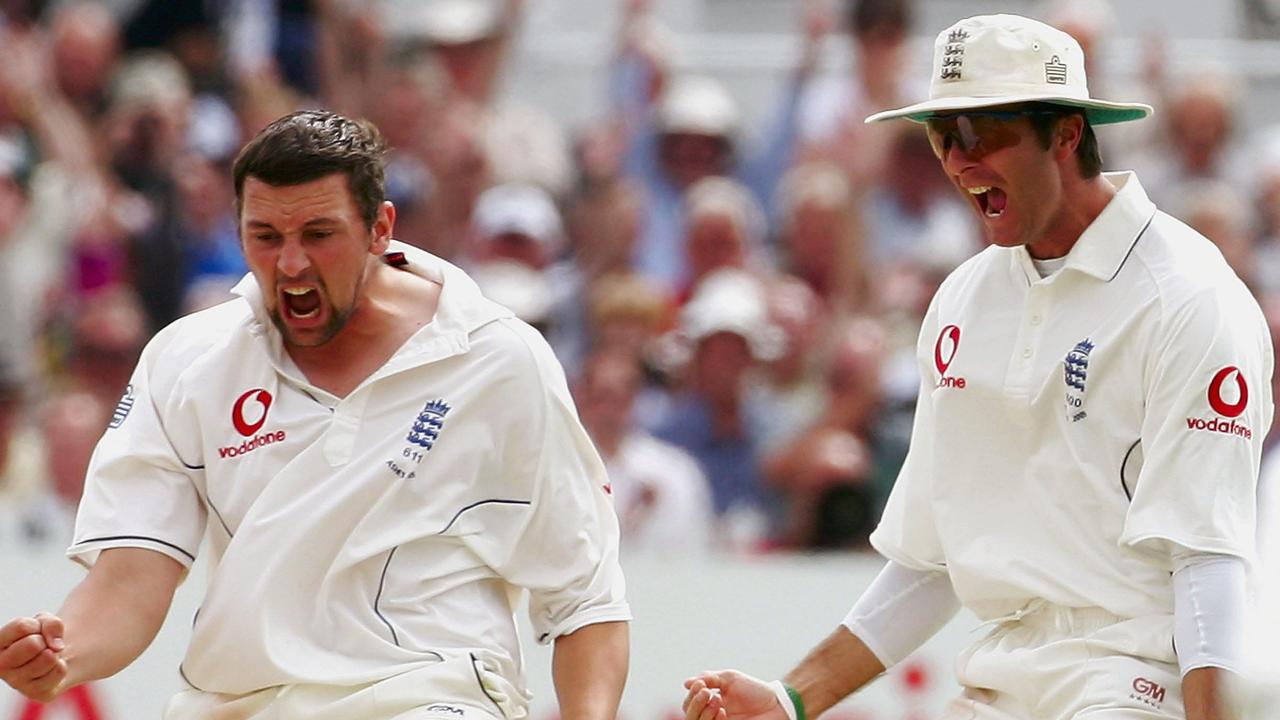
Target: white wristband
{"points": [[783, 699]]}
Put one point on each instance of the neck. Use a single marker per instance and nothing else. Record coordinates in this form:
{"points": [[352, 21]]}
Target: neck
{"points": [[1083, 200], [393, 305]]}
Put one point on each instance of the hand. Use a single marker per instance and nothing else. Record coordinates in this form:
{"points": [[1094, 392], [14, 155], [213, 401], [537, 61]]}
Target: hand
{"points": [[24, 79], [29, 656], [730, 695], [818, 19]]}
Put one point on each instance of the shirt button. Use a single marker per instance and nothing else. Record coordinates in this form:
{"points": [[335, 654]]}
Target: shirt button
{"points": [[1035, 319], [1026, 353]]}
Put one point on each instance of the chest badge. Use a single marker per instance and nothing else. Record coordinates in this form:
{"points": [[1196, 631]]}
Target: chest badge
{"points": [[1075, 372], [426, 429], [421, 438]]}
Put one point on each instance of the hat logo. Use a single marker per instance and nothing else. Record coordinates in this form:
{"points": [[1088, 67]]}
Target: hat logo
{"points": [[1055, 71], [953, 54]]}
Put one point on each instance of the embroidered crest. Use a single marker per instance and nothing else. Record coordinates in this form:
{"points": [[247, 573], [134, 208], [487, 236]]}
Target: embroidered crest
{"points": [[426, 429], [1075, 371], [1055, 71], [953, 54]]}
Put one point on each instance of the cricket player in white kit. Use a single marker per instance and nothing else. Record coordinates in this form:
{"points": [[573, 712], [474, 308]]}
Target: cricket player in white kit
{"points": [[381, 460], [1082, 473]]}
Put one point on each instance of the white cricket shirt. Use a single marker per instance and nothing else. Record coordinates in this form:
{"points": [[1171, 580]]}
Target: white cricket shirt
{"points": [[1071, 430], [356, 538]]}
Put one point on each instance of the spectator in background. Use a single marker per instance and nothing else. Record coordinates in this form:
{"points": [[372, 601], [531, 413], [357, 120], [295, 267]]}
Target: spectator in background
{"points": [[269, 38], [71, 421], [628, 313], [206, 229], [662, 498], [514, 256], [1198, 136], [605, 218], [724, 228], [414, 96], [49, 186], [913, 216], [106, 331], [819, 236], [832, 109], [836, 472], [714, 414], [792, 386], [470, 38], [146, 127], [689, 131], [84, 40], [519, 223]]}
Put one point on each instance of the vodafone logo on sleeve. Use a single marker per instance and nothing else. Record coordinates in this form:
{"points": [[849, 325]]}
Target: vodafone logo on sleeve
{"points": [[248, 415], [944, 351], [1228, 397]]}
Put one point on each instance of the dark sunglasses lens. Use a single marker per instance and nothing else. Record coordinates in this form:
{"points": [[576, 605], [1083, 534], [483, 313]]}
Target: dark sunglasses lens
{"points": [[974, 134], [947, 132]]}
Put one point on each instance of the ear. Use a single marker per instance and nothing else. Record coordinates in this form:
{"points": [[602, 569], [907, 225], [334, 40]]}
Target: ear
{"points": [[383, 227], [1067, 133]]}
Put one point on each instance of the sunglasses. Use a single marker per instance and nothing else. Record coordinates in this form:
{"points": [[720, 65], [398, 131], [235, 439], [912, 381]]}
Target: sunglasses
{"points": [[977, 133]]}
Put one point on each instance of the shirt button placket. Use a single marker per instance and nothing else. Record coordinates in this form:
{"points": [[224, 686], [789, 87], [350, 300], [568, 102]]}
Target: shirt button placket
{"points": [[1021, 367]]}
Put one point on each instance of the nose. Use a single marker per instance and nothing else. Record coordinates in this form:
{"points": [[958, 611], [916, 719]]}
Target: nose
{"points": [[955, 159], [292, 261]]}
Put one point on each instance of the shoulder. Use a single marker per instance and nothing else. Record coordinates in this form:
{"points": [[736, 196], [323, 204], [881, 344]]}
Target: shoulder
{"points": [[189, 343], [515, 351], [973, 272], [1187, 272]]}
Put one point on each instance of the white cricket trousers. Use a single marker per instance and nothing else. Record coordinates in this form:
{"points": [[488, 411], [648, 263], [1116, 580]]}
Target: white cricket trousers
{"points": [[1055, 663], [457, 689]]}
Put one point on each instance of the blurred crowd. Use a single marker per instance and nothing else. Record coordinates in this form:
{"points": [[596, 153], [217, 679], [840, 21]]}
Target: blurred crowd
{"points": [[736, 307]]}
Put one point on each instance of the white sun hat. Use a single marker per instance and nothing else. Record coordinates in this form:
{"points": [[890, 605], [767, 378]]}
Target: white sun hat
{"points": [[993, 60], [698, 105]]}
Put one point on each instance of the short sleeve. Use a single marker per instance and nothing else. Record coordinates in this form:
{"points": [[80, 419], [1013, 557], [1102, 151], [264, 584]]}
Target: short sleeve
{"points": [[564, 550], [1208, 407], [140, 490], [907, 533]]}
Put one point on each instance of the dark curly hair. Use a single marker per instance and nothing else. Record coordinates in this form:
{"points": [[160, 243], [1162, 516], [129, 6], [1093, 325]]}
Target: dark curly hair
{"points": [[311, 144]]}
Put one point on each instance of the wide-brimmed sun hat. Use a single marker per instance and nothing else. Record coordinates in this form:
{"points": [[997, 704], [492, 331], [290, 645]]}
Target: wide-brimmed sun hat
{"points": [[993, 60]]}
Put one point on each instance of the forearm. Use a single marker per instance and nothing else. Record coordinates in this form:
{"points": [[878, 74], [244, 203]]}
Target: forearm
{"points": [[838, 666], [1209, 599], [1204, 694], [116, 611], [590, 669]]}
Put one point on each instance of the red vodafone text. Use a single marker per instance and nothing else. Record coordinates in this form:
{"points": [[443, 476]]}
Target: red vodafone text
{"points": [[1226, 411], [255, 403]]}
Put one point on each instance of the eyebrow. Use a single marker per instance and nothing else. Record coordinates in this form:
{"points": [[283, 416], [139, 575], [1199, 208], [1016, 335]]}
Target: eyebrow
{"points": [[320, 221]]}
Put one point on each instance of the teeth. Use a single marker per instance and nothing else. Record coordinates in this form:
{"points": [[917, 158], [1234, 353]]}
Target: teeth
{"points": [[297, 291], [978, 190]]}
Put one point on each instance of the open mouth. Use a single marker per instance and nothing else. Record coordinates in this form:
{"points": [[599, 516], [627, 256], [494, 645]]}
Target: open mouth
{"points": [[991, 200], [302, 302]]}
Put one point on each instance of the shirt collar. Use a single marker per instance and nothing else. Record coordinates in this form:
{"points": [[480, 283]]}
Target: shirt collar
{"points": [[1104, 246], [461, 310]]}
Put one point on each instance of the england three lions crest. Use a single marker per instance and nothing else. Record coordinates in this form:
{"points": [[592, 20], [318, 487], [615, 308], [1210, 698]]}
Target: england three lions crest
{"points": [[1075, 373], [422, 436], [426, 429]]}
